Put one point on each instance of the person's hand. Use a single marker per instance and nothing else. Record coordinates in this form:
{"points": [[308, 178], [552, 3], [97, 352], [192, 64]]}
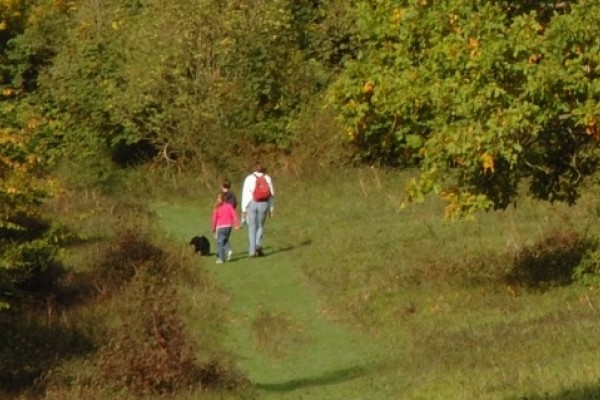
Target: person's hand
{"points": [[271, 213]]}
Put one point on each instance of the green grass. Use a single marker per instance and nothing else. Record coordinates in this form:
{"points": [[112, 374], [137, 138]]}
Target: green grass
{"points": [[361, 299]]}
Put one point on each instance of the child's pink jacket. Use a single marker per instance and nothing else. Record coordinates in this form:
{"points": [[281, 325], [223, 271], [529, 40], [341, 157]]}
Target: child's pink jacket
{"points": [[224, 216]]}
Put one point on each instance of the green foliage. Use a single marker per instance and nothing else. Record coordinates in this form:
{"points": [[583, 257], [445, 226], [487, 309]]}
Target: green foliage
{"points": [[207, 82], [587, 272], [184, 81], [12, 20], [28, 245], [267, 49], [482, 95], [28, 145]]}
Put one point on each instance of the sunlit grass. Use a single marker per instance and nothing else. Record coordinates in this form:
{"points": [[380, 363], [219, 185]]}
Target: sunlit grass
{"points": [[435, 291]]}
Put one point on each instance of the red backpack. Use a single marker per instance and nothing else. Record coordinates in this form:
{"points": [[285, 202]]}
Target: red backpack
{"points": [[262, 191]]}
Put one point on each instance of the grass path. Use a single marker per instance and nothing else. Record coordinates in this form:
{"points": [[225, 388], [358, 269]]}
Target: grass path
{"points": [[284, 342]]}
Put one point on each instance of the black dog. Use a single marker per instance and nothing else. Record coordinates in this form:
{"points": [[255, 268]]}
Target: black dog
{"points": [[200, 245]]}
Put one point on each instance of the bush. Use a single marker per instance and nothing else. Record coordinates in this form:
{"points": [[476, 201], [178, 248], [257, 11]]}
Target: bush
{"points": [[149, 351], [128, 254], [557, 259], [588, 270]]}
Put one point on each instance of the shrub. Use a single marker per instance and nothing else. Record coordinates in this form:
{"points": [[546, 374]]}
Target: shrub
{"points": [[129, 253], [588, 270], [554, 260], [149, 351]]}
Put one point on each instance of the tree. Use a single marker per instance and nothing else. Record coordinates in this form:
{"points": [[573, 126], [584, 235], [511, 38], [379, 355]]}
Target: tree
{"points": [[206, 81], [27, 247], [482, 96]]}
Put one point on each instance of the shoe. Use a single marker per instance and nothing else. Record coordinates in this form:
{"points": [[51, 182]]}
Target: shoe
{"points": [[229, 255], [259, 252], [219, 261]]}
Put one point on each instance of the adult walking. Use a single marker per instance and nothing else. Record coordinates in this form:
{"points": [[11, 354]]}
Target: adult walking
{"points": [[258, 200]]}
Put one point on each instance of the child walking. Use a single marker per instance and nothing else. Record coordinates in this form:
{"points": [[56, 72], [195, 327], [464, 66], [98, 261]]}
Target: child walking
{"points": [[224, 218], [230, 198]]}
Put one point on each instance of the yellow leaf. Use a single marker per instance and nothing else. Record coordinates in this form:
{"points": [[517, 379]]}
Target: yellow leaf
{"points": [[397, 15], [473, 43], [33, 123], [488, 163]]}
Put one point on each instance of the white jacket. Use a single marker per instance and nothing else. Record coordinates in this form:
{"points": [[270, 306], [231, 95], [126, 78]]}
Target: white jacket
{"points": [[248, 189]]}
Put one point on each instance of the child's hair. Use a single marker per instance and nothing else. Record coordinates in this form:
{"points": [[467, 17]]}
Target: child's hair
{"points": [[220, 199], [226, 183]]}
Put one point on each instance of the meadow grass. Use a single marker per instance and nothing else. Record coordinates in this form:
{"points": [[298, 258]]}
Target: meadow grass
{"points": [[364, 299], [357, 298]]}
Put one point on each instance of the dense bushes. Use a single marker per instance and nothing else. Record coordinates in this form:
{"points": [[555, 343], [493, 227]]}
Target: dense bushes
{"points": [[133, 338], [183, 82]]}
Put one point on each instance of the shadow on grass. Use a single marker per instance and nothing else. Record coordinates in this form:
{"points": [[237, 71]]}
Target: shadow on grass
{"points": [[303, 243], [36, 333], [584, 393], [551, 261], [270, 250], [329, 378], [30, 348]]}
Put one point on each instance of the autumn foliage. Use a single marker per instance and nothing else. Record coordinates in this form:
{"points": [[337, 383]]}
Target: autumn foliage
{"points": [[483, 96]]}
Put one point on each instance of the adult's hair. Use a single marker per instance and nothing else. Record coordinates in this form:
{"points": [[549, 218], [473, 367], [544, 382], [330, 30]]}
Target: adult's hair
{"points": [[258, 167]]}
